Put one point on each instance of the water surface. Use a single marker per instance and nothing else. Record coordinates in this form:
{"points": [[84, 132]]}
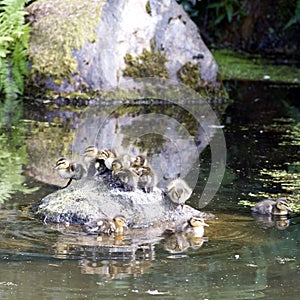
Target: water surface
{"points": [[241, 257]]}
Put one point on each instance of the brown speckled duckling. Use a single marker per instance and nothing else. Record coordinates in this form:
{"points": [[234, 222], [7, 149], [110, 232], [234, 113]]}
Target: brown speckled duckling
{"points": [[106, 226], [194, 227], [178, 191], [69, 170], [147, 178], [280, 207], [108, 155], [96, 164], [127, 178]]}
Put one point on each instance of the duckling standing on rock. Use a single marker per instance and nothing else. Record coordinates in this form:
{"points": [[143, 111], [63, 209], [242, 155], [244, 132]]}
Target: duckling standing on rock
{"points": [[96, 164], [280, 207], [178, 191], [194, 227], [127, 178], [106, 226], [140, 161], [147, 178], [69, 170], [108, 156]]}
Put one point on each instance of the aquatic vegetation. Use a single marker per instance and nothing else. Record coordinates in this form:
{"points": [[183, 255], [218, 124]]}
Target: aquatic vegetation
{"points": [[233, 65]]}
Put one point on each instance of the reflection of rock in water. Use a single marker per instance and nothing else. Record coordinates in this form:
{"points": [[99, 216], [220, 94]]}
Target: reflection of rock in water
{"points": [[170, 136], [113, 269], [111, 256]]}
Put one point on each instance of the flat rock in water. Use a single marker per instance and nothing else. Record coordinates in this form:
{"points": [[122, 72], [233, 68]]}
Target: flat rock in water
{"points": [[92, 198]]}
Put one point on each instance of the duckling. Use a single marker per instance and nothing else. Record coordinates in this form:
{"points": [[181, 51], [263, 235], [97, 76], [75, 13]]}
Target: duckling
{"points": [[69, 170], [126, 177], [106, 226], [140, 161], [178, 191], [280, 207], [147, 178], [108, 155], [194, 227], [96, 164]]}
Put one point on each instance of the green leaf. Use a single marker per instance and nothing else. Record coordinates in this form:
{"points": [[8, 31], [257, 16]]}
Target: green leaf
{"points": [[220, 18], [229, 11]]}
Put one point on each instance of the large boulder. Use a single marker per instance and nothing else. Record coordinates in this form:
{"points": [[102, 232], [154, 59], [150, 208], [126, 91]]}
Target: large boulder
{"points": [[99, 45], [93, 198]]}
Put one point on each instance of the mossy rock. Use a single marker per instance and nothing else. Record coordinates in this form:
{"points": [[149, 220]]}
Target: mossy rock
{"points": [[92, 198]]}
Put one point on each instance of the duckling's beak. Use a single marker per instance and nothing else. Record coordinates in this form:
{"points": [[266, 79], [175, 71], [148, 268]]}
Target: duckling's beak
{"points": [[289, 208], [204, 224], [55, 167]]}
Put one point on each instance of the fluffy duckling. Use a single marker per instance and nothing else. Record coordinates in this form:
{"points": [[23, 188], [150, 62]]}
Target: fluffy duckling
{"points": [[106, 226], [178, 191], [194, 227], [69, 170], [147, 178], [126, 177], [139, 161], [280, 207], [108, 155], [96, 164]]}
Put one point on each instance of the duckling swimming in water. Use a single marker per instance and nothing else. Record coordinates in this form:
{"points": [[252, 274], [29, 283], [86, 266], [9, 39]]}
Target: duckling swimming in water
{"points": [[126, 177], [106, 226], [280, 207], [178, 191], [69, 170], [194, 227]]}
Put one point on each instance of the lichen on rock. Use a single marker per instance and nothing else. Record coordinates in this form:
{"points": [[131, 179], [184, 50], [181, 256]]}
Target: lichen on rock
{"points": [[57, 28], [81, 45]]}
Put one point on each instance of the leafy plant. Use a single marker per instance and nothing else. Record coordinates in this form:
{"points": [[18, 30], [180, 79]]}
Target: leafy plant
{"points": [[227, 8], [295, 18], [14, 37]]}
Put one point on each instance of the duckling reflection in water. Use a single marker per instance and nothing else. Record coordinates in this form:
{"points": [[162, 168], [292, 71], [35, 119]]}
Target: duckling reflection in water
{"points": [[178, 191], [127, 178], [96, 164], [106, 226], [280, 207], [69, 170], [281, 222], [176, 242]]}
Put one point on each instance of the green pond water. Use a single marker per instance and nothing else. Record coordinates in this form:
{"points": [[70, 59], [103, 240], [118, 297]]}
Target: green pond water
{"points": [[242, 257]]}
